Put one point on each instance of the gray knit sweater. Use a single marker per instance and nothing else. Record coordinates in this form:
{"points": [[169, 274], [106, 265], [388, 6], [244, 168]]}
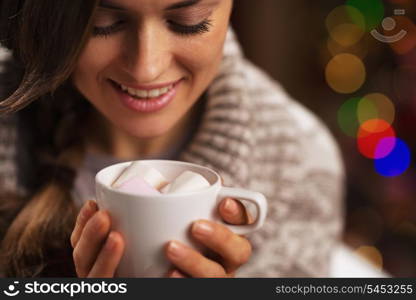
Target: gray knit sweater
{"points": [[258, 138]]}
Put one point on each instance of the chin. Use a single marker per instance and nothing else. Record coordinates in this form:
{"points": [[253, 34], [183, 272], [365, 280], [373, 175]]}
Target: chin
{"points": [[147, 132]]}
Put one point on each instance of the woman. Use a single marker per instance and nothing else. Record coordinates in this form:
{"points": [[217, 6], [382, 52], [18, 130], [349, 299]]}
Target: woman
{"points": [[118, 80]]}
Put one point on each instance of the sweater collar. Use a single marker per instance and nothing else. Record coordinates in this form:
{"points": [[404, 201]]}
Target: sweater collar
{"points": [[224, 139]]}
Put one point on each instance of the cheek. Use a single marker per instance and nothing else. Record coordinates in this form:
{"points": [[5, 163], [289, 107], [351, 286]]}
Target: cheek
{"points": [[94, 60], [199, 60]]}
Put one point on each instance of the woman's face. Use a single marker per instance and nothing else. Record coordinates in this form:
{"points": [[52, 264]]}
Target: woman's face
{"points": [[146, 45]]}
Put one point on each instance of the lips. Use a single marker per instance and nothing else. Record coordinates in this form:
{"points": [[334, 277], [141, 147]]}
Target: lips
{"points": [[147, 87], [149, 104], [145, 93]]}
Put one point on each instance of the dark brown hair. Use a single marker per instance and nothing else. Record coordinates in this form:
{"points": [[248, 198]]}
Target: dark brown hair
{"points": [[46, 38]]}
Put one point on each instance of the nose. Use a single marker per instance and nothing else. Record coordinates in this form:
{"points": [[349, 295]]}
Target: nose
{"points": [[148, 54]]}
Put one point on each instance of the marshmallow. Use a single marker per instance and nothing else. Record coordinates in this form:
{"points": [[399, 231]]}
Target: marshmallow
{"points": [[138, 169], [138, 186], [188, 181]]}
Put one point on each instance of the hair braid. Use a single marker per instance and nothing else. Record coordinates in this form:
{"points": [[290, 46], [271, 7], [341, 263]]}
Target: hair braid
{"points": [[37, 241]]}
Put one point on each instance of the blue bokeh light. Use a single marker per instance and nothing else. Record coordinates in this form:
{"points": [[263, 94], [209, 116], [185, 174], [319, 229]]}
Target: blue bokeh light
{"points": [[397, 162]]}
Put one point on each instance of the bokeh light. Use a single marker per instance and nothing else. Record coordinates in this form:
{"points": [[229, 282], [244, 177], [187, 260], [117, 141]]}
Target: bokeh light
{"points": [[344, 15], [369, 136], [372, 10], [397, 162], [384, 147], [360, 49], [341, 27], [347, 34], [345, 73], [372, 120], [372, 254], [368, 119], [348, 118], [376, 106]]}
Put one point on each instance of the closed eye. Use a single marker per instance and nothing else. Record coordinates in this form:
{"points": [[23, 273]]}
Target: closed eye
{"points": [[199, 28], [108, 30], [181, 29]]}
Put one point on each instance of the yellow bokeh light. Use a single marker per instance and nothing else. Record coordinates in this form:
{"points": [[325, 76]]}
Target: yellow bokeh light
{"points": [[343, 14], [372, 254], [360, 49], [347, 34], [376, 106], [342, 28], [345, 73]]}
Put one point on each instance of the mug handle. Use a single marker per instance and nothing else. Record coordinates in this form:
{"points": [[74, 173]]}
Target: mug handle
{"points": [[256, 198]]}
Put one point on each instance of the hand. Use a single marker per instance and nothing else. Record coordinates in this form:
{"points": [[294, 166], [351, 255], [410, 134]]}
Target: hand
{"points": [[233, 250], [97, 251]]}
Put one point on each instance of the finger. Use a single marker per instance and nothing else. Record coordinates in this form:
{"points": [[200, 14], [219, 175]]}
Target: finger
{"points": [[192, 262], [234, 249], [176, 274], [87, 210], [109, 257], [234, 212], [89, 245]]}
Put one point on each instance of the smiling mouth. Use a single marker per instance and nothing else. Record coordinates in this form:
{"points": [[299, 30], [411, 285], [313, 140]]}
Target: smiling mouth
{"points": [[143, 94]]}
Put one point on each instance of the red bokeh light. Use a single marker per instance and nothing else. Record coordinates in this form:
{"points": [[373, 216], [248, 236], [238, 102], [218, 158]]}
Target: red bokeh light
{"points": [[370, 134]]}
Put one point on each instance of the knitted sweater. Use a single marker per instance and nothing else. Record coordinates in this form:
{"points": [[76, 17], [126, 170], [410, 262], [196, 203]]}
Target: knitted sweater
{"points": [[257, 138]]}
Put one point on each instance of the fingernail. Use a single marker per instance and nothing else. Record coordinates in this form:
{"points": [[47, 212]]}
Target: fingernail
{"points": [[92, 205], [202, 228], [176, 250], [230, 206]]}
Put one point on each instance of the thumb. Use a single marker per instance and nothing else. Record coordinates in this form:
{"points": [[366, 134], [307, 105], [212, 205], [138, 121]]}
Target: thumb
{"points": [[234, 212]]}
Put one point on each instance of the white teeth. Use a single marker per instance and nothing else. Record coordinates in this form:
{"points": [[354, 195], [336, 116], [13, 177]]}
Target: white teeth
{"points": [[141, 94], [131, 91], [154, 93], [146, 94]]}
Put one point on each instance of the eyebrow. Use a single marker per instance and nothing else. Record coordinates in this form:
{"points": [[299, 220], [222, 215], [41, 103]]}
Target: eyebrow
{"points": [[108, 4], [182, 4]]}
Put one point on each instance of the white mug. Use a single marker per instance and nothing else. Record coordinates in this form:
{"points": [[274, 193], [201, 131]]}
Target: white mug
{"points": [[147, 223]]}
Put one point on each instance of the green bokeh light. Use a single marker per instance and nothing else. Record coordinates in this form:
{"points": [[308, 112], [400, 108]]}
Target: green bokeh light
{"points": [[367, 110], [348, 118], [372, 10]]}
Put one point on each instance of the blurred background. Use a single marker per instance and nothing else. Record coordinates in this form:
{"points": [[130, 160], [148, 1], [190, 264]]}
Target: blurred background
{"points": [[353, 63]]}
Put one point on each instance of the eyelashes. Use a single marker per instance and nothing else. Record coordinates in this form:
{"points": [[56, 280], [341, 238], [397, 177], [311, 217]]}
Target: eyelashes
{"points": [[200, 28], [185, 30], [107, 30]]}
